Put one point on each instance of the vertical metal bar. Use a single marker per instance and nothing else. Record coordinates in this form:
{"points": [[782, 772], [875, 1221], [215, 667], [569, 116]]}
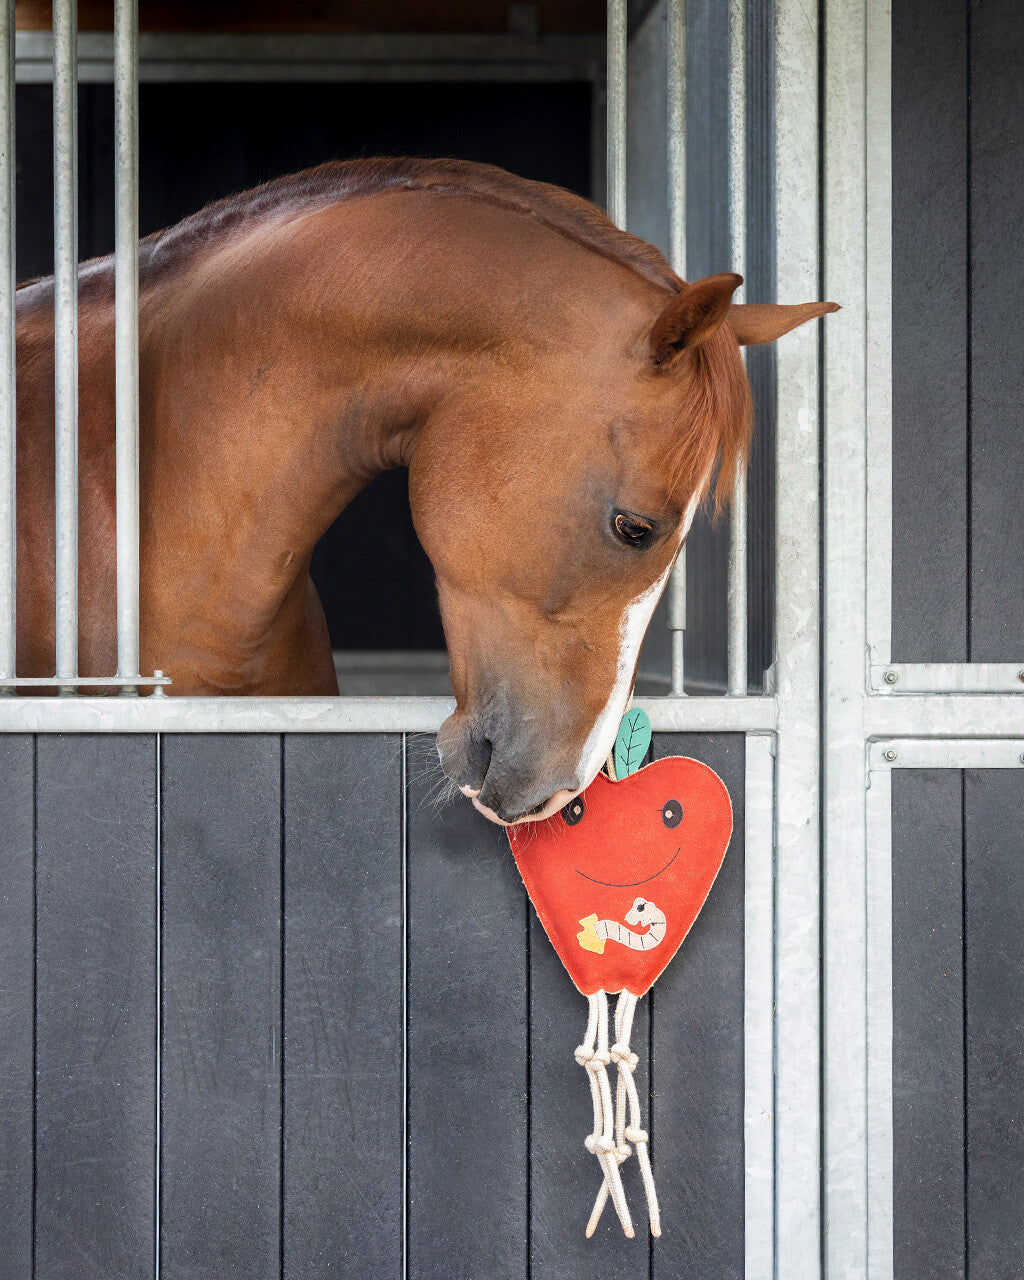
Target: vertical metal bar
{"points": [[65, 330], [676, 18], [797, 663], [879, 334], [737, 590], [758, 1006], [616, 138], [878, 1170], [8, 404], [126, 333]]}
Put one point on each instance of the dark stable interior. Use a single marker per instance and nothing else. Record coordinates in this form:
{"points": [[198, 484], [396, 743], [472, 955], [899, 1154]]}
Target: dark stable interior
{"points": [[199, 142]]}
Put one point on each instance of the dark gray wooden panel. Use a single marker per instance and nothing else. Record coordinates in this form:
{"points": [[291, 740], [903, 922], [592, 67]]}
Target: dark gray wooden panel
{"points": [[564, 1177], [928, 1027], [17, 911], [997, 372], [697, 1058], [221, 1132], [467, 1039], [95, 1007], [994, 981], [929, 346], [344, 1019]]}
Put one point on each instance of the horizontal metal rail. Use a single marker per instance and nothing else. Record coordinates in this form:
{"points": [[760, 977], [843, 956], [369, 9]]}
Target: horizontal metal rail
{"points": [[165, 56], [947, 753], [948, 677], [161, 714]]}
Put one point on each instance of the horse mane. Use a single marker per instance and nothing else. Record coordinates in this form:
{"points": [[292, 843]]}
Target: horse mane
{"points": [[563, 212]]}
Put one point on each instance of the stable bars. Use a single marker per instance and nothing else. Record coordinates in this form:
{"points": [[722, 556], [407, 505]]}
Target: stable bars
{"points": [[676, 189]]}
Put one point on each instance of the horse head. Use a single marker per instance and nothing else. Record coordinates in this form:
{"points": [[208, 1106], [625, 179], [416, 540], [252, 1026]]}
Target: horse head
{"points": [[553, 500]]}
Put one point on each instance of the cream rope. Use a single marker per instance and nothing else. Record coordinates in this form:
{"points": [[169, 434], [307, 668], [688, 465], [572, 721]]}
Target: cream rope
{"points": [[626, 1060], [601, 1142]]}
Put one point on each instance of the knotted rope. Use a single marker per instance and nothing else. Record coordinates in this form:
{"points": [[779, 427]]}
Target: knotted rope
{"points": [[602, 1142], [625, 1090]]}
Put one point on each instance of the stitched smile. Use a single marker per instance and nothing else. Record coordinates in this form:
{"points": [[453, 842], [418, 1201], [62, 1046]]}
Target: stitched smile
{"points": [[630, 884]]}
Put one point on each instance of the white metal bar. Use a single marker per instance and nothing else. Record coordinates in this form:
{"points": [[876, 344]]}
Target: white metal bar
{"points": [[163, 714], [845, 646], [65, 332], [876, 1031], [797, 1111], [616, 133], [947, 753], [126, 339], [676, 96], [8, 403], [896, 678], [758, 1009], [928, 715], [737, 590], [878, 282]]}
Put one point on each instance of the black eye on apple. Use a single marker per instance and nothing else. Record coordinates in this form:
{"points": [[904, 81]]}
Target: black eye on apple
{"points": [[671, 813], [573, 812]]}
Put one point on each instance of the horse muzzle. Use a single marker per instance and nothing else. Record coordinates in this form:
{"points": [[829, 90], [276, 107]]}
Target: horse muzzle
{"points": [[501, 769]]}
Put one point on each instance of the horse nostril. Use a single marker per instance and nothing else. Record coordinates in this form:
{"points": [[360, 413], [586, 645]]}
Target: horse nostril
{"points": [[478, 758]]}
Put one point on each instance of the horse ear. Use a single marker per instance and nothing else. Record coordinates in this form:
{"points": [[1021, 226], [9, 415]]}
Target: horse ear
{"points": [[756, 322], [692, 316]]}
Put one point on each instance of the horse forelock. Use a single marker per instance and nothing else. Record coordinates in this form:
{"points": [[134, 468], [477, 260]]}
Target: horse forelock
{"points": [[713, 423]]}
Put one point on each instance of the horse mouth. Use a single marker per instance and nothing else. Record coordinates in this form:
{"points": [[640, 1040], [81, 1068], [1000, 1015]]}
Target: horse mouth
{"points": [[630, 884], [538, 813]]}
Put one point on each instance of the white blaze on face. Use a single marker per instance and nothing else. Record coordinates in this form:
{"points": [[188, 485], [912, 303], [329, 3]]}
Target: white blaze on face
{"points": [[632, 630]]}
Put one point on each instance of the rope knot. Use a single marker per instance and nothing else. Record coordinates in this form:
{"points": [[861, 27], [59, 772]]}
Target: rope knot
{"points": [[635, 1134], [622, 1152], [622, 1053], [598, 1145]]}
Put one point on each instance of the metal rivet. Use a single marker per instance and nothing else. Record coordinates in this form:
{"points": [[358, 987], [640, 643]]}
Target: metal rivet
{"points": [[1020, 675], [1021, 757], [891, 677], [891, 754]]}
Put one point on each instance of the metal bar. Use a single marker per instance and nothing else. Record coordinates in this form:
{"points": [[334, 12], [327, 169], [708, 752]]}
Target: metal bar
{"points": [[877, 1172], [8, 402], [161, 714], [65, 332], [737, 234], [676, 94], [964, 715], [878, 371], [946, 753], [844, 783], [616, 137], [758, 1007], [948, 677], [797, 916], [126, 334]]}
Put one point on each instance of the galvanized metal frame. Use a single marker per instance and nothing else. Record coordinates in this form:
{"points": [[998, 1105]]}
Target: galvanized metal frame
{"points": [[877, 715]]}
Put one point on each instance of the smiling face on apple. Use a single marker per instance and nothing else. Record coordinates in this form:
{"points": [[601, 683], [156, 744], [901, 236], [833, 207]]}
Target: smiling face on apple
{"points": [[620, 874]]}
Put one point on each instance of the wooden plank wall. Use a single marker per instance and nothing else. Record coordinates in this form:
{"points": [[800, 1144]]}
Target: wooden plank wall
{"points": [[958, 592], [269, 1008]]}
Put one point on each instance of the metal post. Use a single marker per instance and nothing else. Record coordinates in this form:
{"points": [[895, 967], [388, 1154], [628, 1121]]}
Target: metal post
{"points": [[8, 411], [797, 1058], [737, 592], [126, 335], [65, 331], [616, 140], [677, 257]]}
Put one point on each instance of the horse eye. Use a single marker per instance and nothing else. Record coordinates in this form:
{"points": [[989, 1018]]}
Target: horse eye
{"points": [[632, 530], [671, 813], [573, 812]]}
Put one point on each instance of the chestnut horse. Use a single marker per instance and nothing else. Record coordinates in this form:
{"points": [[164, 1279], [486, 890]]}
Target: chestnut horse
{"points": [[560, 397]]}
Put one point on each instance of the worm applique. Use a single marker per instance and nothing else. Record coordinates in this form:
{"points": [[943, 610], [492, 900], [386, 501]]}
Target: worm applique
{"points": [[664, 829], [595, 933]]}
